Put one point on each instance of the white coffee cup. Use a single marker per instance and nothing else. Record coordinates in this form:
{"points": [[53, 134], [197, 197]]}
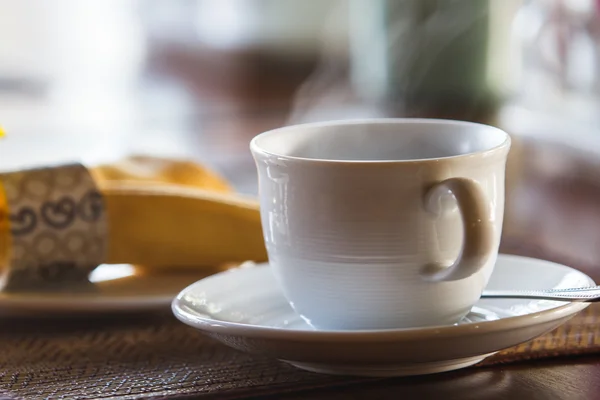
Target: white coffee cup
{"points": [[385, 223]]}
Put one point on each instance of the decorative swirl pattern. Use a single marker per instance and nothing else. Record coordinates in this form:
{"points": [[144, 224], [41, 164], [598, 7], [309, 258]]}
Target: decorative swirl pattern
{"points": [[23, 222], [58, 227], [91, 206], [59, 214]]}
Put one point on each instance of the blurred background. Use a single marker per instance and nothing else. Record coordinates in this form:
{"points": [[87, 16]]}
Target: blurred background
{"points": [[96, 80]]}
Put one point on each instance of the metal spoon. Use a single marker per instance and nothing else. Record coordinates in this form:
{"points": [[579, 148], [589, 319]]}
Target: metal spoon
{"points": [[589, 294]]}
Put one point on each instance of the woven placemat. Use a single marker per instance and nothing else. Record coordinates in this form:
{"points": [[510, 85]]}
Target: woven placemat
{"points": [[155, 356]]}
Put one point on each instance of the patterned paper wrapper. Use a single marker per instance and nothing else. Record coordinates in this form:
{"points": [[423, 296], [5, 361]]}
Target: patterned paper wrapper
{"points": [[57, 228]]}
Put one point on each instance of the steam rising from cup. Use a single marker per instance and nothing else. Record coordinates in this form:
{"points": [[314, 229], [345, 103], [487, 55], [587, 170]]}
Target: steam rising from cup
{"points": [[414, 58]]}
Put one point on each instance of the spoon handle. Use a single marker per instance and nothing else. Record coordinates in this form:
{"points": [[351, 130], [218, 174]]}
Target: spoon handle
{"points": [[585, 294]]}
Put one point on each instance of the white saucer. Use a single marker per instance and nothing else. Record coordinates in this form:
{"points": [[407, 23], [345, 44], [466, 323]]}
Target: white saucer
{"points": [[245, 309], [119, 288]]}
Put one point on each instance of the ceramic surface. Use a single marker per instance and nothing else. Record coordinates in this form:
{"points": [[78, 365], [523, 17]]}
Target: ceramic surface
{"points": [[245, 309], [119, 289], [360, 216]]}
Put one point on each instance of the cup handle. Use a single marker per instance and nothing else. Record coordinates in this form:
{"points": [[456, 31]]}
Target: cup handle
{"points": [[478, 237]]}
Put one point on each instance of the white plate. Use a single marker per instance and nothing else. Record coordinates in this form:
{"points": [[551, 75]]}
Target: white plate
{"points": [[245, 309], [118, 289]]}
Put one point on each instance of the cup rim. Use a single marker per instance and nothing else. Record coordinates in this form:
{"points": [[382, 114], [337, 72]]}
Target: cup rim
{"points": [[256, 149]]}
